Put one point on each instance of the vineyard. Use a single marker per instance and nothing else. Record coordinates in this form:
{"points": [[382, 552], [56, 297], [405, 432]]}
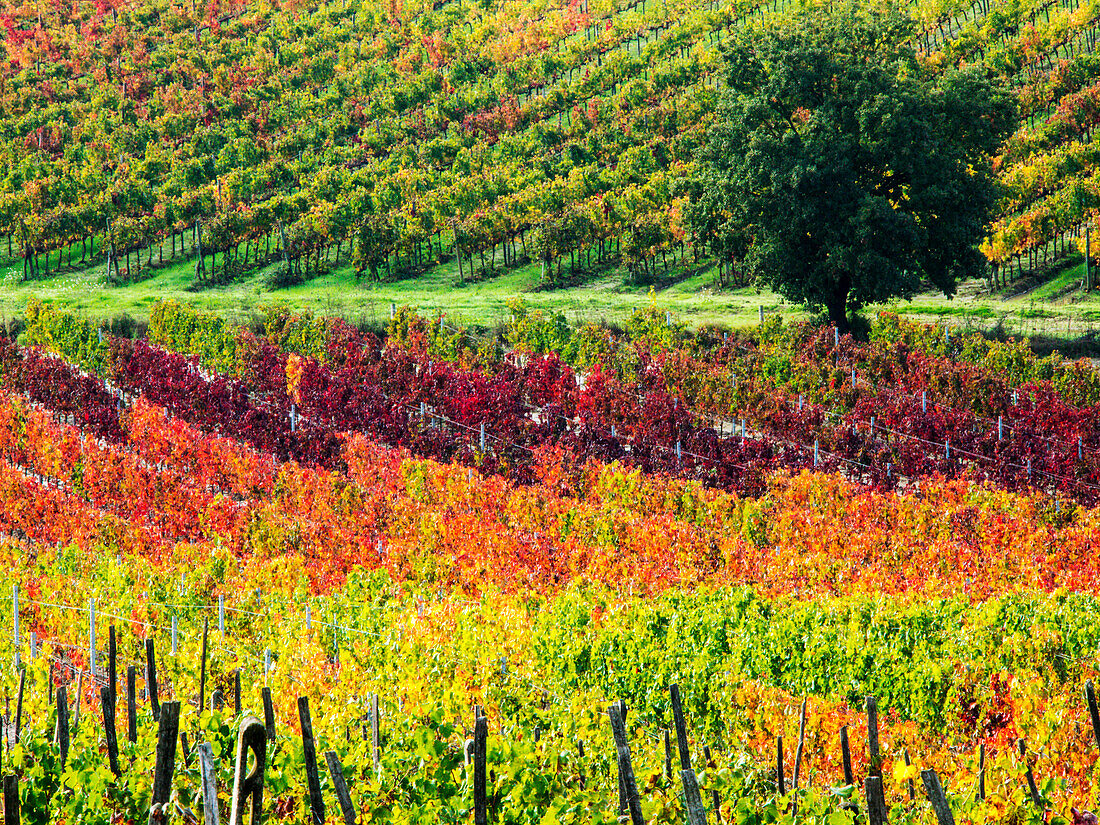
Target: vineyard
{"points": [[399, 135], [564, 575]]}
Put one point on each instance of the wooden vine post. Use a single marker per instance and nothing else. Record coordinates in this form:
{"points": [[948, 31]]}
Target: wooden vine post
{"points": [[340, 787], [937, 797], [1094, 712], [11, 800], [249, 789], [131, 703], [210, 813], [696, 813], [313, 778], [269, 715], [626, 770], [202, 672], [876, 800], [107, 701], [151, 678], [167, 734], [481, 735], [872, 737], [63, 724]]}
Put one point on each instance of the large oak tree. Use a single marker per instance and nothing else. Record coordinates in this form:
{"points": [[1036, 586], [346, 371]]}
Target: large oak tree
{"points": [[843, 171]]}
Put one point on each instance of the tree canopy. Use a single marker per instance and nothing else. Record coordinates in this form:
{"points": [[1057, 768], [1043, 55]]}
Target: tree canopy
{"points": [[841, 169]]}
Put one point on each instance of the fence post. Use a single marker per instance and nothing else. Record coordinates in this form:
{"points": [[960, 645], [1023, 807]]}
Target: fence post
{"points": [[872, 737], [167, 734], [112, 664], [19, 704], [151, 678], [340, 787], [250, 737], [313, 779], [11, 800], [937, 797], [63, 724], [481, 732], [375, 754], [269, 714], [108, 702], [876, 802], [210, 813], [202, 673], [626, 771], [131, 703], [1094, 713]]}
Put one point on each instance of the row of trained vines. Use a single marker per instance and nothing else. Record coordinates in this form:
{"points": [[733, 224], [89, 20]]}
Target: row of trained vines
{"points": [[398, 135], [196, 544]]}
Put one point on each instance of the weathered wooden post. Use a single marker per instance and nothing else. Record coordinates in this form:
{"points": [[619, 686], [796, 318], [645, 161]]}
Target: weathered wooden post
{"points": [[131, 703], [251, 737], [210, 813], [340, 787], [151, 678], [107, 701], [313, 778], [269, 715], [872, 737], [63, 724], [167, 734], [937, 797], [876, 801], [202, 672], [481, 733], [11, 800], [626, 770]]}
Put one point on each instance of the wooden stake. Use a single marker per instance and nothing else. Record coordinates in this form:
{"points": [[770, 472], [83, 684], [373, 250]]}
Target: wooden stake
{"points": [[112, 664], [623, 804], [185, 747], [269, 715], [237, 695], [151, 678], [376, 755], [19, 705], [668, 756], [846, 754], [167, 734], [936, 796], [340, 787], [872, 736], [210, 813], [876, 802], [715, 799], [781, 780], [63, 724], [1094, 714], [313, 778], [981, 771], [626, 771], [912, 787], [202, 672], [801, 745], [1031, 786], [481, 733], [252, 736], [11, 800], [131, 703], [681, 728], [107, 701], [79, 694], [693, 801]]}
